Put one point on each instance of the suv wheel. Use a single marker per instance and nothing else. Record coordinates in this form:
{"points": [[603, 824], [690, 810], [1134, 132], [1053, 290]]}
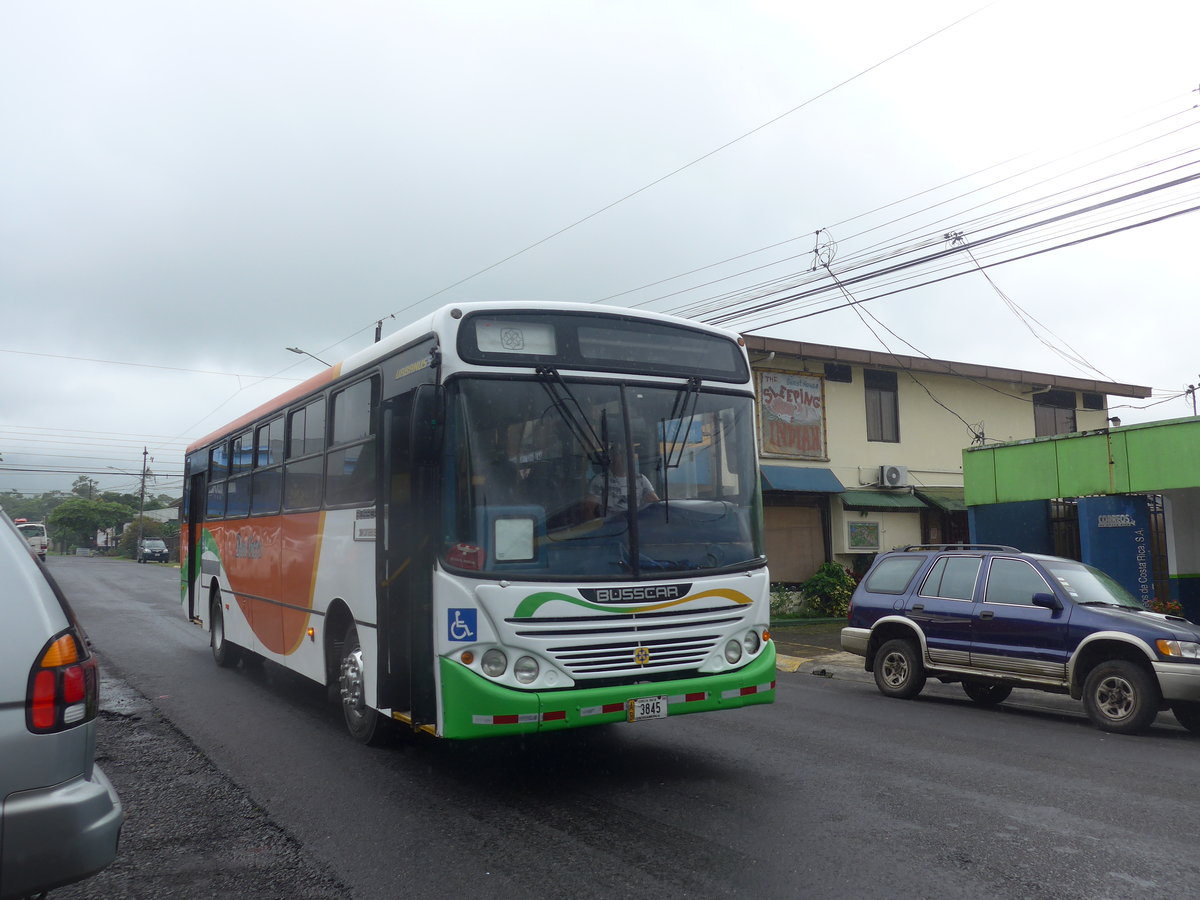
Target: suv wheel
{"points": [[898, 669], [1187, 714], [1120, 697], [987, 693]]}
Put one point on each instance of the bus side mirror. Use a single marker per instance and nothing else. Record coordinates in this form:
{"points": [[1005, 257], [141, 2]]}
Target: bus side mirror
{"points": [[427, 424]]}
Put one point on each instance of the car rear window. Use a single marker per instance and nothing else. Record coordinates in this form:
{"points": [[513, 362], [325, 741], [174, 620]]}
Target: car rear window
{"points": [[892, 575]]}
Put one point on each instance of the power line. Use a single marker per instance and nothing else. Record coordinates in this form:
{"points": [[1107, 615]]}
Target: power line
{"points": [[930, 281], [678, 169], [736, 312], [41, 429], [958, 222], [116, 362]]}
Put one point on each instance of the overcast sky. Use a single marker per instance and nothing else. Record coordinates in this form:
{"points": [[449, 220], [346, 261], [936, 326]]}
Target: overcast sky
{"points": [[199, 185]]}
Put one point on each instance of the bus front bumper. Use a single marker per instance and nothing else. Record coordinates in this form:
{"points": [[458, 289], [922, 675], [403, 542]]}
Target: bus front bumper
{"points": [[474, 707]]}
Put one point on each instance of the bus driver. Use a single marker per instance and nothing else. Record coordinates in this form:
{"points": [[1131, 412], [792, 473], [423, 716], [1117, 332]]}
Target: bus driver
{"points": [[608, 492]]}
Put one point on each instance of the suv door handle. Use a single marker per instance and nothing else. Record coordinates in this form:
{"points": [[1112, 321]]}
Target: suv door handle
{"points": [[987, 614], [918, 607]]}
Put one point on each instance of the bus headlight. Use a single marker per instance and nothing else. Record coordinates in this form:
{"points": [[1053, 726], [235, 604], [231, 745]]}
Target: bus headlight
{"points": [[494, 663], [733, 651], [526, 670], [751, 642]]}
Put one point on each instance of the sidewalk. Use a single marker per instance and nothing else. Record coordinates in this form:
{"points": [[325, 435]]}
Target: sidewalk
{"points": [[809, 647]]}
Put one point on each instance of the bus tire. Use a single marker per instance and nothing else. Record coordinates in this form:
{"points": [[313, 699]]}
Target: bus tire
{"points": [[364, 724], [225, 654]]}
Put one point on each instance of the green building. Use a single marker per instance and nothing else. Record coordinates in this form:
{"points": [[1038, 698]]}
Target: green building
{"points": [[1124, 499]]}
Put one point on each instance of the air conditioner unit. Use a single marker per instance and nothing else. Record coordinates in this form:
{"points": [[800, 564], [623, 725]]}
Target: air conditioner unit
{"points": [[893, 476]]}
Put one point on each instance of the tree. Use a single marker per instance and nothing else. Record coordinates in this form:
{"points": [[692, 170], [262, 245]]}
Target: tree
{"points": [[130, 500], [150, 528], [77, 521], [35, 509], [85, 487]]}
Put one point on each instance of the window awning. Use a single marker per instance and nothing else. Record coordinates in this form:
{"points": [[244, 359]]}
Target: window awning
{"points": [[945, 499], [800, 478], [881, 500]]}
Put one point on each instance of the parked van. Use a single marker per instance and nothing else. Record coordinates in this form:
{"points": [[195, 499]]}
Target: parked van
{"points": [[35, 535]]}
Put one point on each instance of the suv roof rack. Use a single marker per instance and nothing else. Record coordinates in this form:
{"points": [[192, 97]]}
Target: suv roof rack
{"points": [[1002, 547]]}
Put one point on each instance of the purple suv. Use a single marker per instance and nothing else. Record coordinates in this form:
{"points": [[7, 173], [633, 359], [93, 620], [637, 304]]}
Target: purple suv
{"points": [[993, 618]]}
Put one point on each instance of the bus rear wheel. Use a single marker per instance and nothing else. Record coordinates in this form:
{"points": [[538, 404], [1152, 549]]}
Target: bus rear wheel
{"points": [[364, 724]]}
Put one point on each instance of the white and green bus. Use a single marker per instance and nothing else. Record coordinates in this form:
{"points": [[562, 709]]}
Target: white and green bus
{"points": [[503, 518]]}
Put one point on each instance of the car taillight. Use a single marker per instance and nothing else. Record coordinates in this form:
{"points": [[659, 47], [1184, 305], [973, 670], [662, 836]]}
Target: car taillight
{"points": [[62, 686]]}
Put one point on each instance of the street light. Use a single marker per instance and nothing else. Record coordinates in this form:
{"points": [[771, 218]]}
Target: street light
{"points": [[306, 353]]}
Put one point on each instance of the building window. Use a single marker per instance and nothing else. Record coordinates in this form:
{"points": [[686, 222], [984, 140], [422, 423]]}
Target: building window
{"points": [[1054, 413], [883, 410]]}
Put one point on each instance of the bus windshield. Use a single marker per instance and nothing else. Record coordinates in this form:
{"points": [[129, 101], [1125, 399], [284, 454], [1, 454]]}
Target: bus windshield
{"points": [[538, 479]]}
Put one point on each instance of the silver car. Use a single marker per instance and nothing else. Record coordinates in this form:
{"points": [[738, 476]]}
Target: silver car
{"points": [[60, 819]]}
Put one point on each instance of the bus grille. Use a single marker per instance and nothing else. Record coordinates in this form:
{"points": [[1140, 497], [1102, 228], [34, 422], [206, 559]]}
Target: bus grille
{"points": [[629, 643]]}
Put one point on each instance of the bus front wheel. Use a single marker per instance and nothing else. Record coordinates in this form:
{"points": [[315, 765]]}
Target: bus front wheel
{"points": [[364, 724], [224, 653]]}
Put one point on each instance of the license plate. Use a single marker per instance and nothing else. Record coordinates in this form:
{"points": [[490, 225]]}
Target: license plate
{"points": [[647, 708]]}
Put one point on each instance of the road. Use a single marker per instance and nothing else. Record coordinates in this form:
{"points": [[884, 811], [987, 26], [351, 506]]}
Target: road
{"points": [[834, 791]]}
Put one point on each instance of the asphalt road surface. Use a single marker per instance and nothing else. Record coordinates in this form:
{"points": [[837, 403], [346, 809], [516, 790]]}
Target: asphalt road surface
{"points": [[241, 783]]}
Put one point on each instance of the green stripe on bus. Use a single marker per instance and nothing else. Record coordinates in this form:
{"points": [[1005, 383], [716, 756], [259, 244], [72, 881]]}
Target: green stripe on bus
{"points": [[474, 707]]}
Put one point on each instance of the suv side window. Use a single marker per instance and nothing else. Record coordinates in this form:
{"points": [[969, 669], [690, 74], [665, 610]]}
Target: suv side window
{"points": [[1014, 581], [952, 577], [891, 576]]}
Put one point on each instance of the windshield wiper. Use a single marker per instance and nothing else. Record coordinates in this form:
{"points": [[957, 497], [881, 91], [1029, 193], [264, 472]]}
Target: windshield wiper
{"points": [[576, 420], [689, 395]]}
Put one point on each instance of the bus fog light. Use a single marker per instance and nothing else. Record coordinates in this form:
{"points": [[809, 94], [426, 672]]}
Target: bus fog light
{"points": [[494, 663], [751, 642], [526, 669], [733, 651]]}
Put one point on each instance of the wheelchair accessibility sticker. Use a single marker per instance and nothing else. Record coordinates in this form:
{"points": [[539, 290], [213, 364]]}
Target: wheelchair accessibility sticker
{"points": [[461, 624]]}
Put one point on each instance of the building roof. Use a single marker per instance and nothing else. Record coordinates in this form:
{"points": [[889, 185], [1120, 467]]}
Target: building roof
{"points": [[881, 360]]}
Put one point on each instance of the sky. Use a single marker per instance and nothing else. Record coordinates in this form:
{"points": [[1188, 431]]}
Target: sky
{"points": [[189, 188]]}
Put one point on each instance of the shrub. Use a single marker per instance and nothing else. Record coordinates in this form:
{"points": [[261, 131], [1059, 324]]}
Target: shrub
{"points": [[828, 591], [786, 602], [1167, 607]]}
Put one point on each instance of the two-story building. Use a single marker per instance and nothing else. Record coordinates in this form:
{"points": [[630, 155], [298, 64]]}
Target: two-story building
{"points": [[862, 450]]}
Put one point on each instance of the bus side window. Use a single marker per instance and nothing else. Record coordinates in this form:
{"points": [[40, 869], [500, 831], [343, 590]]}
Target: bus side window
{"points": [[237, 492], [350, 465], [304, 470], [268, 476], [218, 470]]}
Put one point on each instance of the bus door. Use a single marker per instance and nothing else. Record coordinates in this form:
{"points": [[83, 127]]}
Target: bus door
{"points": [[190, 540], [406, 546]]}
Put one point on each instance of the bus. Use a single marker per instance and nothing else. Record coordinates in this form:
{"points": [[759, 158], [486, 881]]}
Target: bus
{"points": [[35, 535], [500, 519]]}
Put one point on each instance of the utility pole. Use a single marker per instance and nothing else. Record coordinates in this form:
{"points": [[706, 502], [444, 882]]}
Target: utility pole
{"points": [[141, 505]]}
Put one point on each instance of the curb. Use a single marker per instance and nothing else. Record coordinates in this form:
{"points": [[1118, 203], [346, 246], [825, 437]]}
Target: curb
{"points": [[823, 661]]}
